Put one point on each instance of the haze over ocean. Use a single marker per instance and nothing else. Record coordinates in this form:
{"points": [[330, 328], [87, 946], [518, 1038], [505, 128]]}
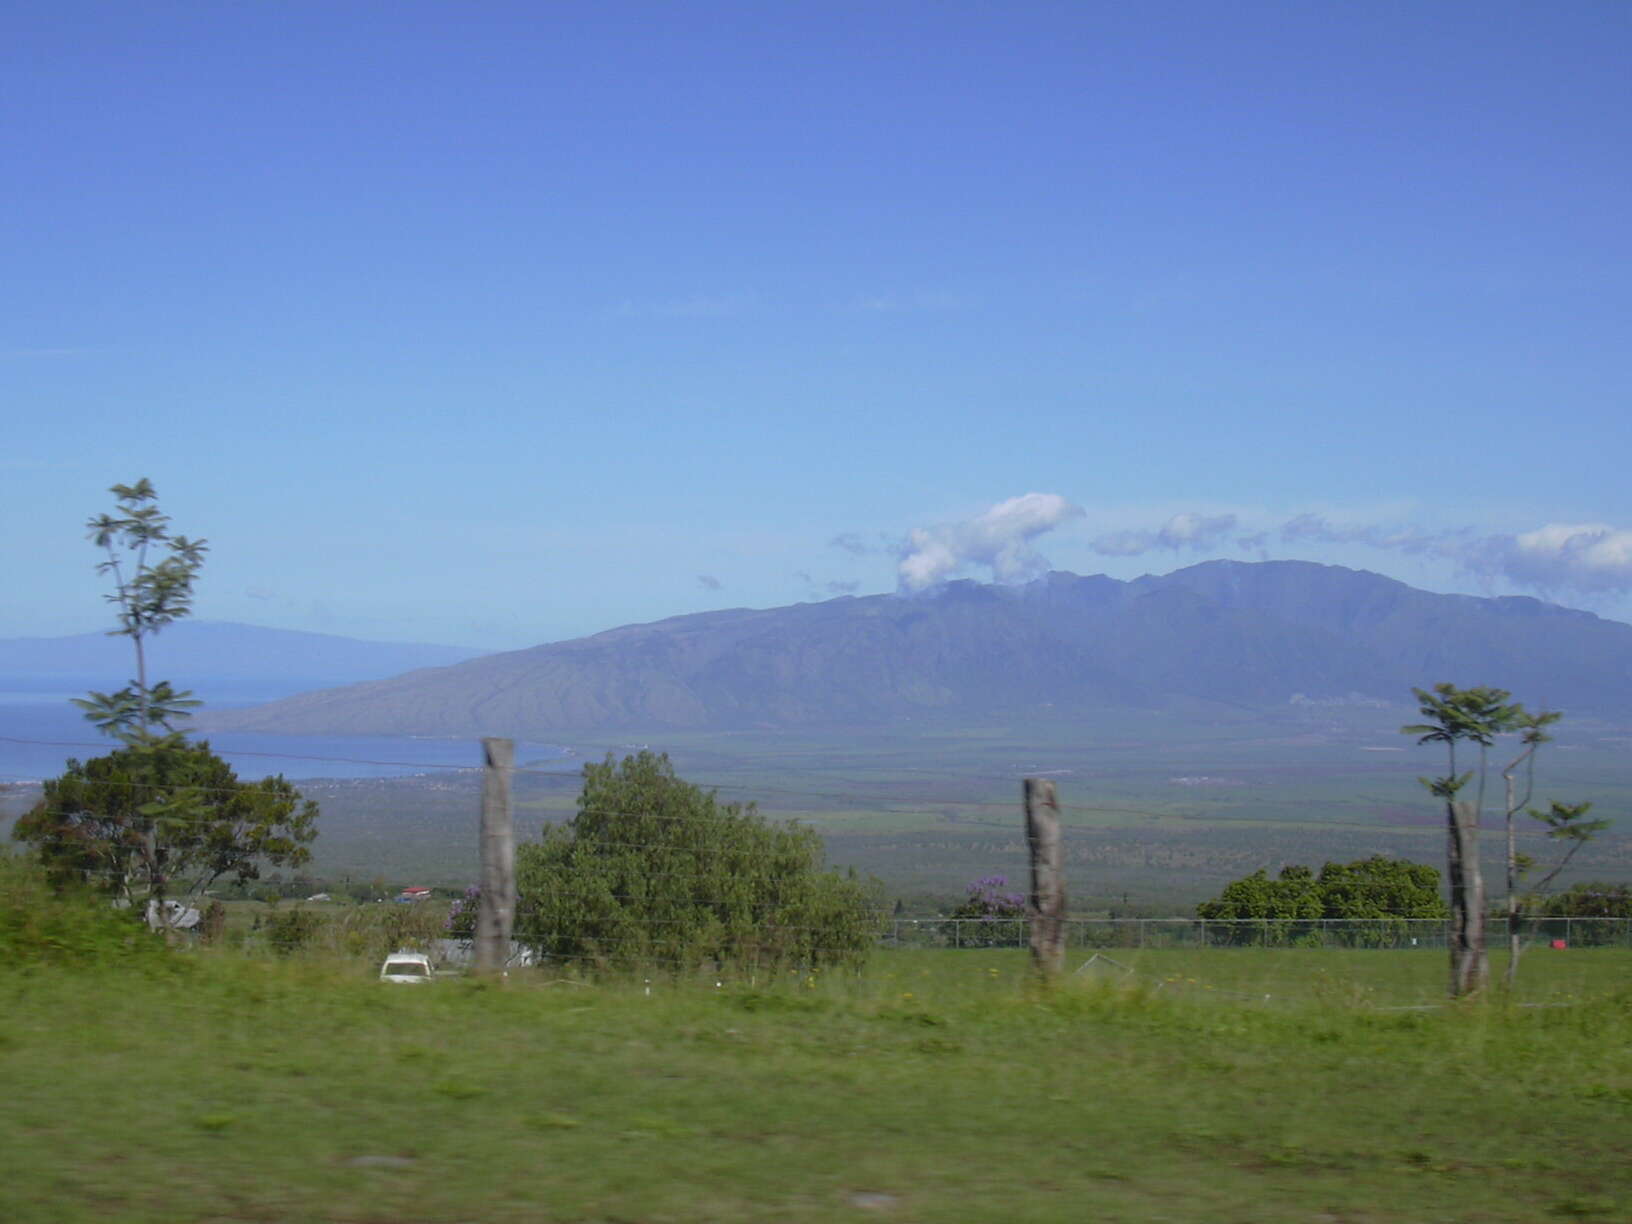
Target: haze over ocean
{"points": [[28, 718]]}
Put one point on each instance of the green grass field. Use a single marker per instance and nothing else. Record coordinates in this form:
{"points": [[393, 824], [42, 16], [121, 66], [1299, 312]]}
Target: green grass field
{"points": [[934, 1086]]}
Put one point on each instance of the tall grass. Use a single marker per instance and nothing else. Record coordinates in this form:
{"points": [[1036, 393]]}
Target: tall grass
{"points": [[42, 926]]}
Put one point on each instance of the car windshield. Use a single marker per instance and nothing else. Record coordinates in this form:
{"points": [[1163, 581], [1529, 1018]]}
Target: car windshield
{"points": [[405, 968]]}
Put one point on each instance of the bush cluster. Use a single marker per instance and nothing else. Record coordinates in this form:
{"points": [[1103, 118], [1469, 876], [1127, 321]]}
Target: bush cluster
{"points": [[290, 930], [1378, 889], [656, 872]]}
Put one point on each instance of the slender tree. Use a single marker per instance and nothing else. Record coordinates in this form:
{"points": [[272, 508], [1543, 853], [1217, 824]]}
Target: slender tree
{"points": [[1476, 716], [152, 573], [1455, 716], [1532, 735], [1565, 825]]}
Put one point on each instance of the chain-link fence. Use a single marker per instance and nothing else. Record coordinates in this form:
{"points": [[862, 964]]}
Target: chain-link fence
{"points": [[1246, 932]]}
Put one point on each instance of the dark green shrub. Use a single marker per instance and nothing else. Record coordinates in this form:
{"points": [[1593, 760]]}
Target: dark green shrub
{"points": [[290, 930]]}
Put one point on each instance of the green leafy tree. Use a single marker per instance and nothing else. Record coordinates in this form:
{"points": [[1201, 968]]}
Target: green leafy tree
{"points": [[157, 820], [1379, 887], [1591, 899], [160, 816], [656, 872], [1289, 896], [1381, 891]]}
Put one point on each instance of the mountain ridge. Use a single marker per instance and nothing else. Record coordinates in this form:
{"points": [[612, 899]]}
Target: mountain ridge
{"points": [[1244, 634]]}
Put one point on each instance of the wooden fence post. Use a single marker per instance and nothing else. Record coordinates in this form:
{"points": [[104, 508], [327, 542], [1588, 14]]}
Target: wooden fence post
{"points": [[496, 914], [1047, 879]]}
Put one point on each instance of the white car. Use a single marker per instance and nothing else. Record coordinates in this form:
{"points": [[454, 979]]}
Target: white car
{"points": [[411, 968]]}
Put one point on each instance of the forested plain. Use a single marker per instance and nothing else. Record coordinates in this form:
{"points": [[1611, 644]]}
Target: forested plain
{"points": [[1160, 812]]}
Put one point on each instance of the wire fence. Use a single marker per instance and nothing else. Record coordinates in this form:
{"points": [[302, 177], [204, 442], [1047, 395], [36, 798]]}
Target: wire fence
{"points": [[1381, 933], [1103, 934]]}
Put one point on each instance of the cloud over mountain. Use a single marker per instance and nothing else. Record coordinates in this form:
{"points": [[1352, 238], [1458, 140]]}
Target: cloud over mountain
{"points": [[1554, 559], [1182, 532], [1593, 558], [1589, 557], [999, 538]]}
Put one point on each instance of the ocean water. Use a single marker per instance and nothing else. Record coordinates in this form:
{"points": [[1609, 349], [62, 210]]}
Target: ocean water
{"points": [[40, 732]]}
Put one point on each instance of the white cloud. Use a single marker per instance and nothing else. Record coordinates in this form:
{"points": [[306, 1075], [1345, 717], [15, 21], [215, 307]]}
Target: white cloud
{"points": [[1410, 540], [1590, 557], [1183, 532], [1557, 557], [851, 542], [1000, 538], [1553, 560]]}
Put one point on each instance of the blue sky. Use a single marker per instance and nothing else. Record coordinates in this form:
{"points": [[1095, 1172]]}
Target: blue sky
{"points": [[500, 323]]}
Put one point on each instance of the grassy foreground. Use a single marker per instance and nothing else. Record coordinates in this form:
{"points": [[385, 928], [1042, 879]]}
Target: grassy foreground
{"points": [[934, 1087]]}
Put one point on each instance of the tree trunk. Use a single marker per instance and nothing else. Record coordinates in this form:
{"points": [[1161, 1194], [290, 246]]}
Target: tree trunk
{"points": [[158, 884], [495, 913], [1470, 968], [1047, 880], [1511, 974]]}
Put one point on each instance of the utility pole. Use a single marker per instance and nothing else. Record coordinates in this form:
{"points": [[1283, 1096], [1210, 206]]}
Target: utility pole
{"points": [[1047, 879], [495, 916]]}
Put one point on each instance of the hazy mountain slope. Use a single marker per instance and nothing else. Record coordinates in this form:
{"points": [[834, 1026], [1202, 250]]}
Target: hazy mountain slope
{"points": [[1245, 634], [1546, 653], [214, 654]]}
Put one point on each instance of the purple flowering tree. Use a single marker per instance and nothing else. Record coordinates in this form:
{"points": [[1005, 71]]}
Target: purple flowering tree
{"points": [[1000, 911], [461, 923]]}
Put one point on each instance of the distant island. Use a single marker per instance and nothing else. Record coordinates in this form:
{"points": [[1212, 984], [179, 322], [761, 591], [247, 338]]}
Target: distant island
{"points": [[218, 659]]}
